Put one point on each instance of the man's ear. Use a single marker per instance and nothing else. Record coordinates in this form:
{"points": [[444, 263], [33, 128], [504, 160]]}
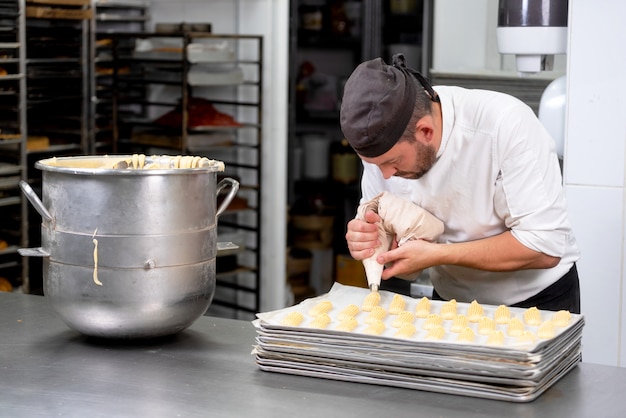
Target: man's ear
{"points": [[425, 128]]}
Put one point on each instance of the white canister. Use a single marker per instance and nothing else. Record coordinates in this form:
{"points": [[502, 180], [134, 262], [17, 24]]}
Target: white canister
{"points": [[315, 155]]}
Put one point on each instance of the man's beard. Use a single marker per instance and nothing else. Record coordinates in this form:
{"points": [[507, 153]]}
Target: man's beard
{"points": [[425, 158]]}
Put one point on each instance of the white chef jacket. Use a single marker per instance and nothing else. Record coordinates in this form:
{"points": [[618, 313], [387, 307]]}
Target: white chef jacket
{"points": [[496, 170]]}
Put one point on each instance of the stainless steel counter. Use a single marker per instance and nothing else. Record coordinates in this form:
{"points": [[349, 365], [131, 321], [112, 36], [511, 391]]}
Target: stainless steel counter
{"points": [[46, 369]]}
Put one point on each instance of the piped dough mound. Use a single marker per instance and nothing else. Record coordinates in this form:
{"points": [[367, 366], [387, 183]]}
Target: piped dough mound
{"points": [[348, 311], [459, 323], [502, 315], [371, 300], [321, 308], [422, 309], [397, 305], [532, 316], [448, 309], [293, 319], [475, 311]]}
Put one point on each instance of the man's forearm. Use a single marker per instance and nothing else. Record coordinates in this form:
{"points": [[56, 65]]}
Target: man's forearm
{"points": [[501, 252]]}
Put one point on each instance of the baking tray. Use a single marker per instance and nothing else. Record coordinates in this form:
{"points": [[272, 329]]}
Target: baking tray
{"points": [[342, 295], [515, 371], [425, 383], [210, 51], [433, 363], [203, 75], [498, 355], [464, 368]]}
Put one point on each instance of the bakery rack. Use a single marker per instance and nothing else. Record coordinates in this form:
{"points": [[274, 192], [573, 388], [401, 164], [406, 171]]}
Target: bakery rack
{"points": [[111, 16], [13, 228], [199, 93]]}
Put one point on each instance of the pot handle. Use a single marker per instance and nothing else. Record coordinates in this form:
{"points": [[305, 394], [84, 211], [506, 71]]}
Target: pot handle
{"points": [[234, 188], [36, 202]]}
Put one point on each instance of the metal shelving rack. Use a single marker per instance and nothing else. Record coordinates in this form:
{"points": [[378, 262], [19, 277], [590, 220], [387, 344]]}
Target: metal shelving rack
{"points": [[111, 16], [57, 100], [157, 94], [13, 226], [58, 75]]}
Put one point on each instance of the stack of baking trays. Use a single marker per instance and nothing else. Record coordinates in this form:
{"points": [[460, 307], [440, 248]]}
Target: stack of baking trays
{"points": [[485, 351]]}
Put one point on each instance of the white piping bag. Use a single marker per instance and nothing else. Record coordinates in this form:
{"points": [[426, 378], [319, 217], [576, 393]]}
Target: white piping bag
{"points": [[402, 219]]}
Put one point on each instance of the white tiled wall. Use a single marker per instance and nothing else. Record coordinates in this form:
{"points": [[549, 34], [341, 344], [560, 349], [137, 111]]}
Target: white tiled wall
{"points": [[460, 29], [596, 215], [594, 170]]}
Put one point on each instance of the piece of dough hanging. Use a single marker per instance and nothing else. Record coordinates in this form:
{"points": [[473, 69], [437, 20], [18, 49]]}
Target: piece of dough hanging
{"points": [[400, 218]]}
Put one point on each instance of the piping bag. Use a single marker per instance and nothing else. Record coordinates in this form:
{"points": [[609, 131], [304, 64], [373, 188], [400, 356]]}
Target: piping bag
{"points": [[400, 218]]}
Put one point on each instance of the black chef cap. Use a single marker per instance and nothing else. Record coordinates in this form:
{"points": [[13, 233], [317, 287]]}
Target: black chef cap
{"points": [[377, 104]]}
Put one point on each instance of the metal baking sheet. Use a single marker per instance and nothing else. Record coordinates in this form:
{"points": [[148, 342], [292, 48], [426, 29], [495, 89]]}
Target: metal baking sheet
{"points": [[342, 295], [495, 354], [471, 368], [514, 371], [483, 366], [401, 374], [420, 383]]}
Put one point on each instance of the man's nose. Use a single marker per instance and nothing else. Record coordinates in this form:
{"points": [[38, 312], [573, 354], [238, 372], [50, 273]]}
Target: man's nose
{"points": [[388, 172]]}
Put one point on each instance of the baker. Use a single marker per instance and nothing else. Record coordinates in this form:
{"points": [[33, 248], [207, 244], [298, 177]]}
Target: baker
{"points": [[482, 163]]}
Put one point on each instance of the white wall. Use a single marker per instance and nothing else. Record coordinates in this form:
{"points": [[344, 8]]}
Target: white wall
{"points": [[269, 18], [594, 170], [460, 31]]}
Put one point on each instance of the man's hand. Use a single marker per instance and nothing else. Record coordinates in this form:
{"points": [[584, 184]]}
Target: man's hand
{"points": [[362, 236], [414, 256], [501, 252]]}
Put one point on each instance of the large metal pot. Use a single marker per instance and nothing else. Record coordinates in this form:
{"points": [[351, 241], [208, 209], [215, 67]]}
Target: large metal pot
{"points": [[128, 253]]}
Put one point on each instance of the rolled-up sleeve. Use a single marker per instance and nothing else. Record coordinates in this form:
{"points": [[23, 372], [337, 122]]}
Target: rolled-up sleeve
{"points": [[529, 196]]}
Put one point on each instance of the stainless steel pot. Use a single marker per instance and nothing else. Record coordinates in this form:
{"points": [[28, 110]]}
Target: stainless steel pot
{"points": [[128, 253]]}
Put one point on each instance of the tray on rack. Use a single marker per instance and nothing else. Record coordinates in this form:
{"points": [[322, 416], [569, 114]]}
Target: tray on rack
{"points": [[58, 13]]}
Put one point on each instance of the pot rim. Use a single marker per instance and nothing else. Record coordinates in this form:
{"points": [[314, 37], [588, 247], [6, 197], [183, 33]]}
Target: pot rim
{"points": [[104, 165]]}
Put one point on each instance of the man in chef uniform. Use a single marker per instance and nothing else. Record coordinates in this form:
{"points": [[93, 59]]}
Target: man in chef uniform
{"points": [[479, 161]]}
